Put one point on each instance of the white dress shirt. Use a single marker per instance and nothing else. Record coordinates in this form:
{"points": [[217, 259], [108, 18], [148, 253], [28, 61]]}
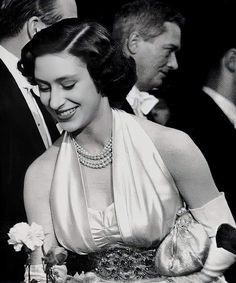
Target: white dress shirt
{"points": [[140, 101], [11, 61], [228, 107]]}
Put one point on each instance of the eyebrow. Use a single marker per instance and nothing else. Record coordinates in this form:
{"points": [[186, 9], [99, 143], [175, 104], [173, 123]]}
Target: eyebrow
{"points": [[40, 81], [57, 80]]}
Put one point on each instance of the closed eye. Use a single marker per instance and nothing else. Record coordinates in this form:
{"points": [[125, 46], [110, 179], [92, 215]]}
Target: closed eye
{"points": [[68, 86], [44, 88]]}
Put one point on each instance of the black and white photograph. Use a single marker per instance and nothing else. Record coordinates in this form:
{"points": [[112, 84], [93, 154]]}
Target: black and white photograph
{"points": [[118, 141]]}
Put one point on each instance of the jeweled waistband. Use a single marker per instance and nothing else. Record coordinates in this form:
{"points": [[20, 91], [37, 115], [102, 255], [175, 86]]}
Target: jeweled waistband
{"points": [[124, 263]]}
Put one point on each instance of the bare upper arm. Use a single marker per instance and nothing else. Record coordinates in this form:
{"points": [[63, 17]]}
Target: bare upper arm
{"points": [[185, 162], [36, 191], [37, 186], [189, 169]]}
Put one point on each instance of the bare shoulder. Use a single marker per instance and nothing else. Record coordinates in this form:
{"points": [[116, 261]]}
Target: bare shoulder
{"points": [[168, 141], [176, 148], [39, 174], [44, 164], [185, 162]]}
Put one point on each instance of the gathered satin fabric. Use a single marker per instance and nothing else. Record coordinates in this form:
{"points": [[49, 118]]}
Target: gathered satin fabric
{"points": [[145, 197], [104, 226]]}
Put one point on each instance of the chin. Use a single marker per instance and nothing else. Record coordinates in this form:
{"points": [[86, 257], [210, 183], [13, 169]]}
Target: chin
{"points": [[155, 84], [70, 128]]}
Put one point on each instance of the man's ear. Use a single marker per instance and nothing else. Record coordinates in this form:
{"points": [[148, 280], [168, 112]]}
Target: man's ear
{"points": [[230, 60], [34, 25], [133, 42]]}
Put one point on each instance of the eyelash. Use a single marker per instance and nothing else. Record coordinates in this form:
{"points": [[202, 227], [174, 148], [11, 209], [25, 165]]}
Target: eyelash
{"points": [[44, 89], [66, 87]]}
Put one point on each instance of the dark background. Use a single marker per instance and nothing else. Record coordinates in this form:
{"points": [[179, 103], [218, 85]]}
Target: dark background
{"points": [[207, 23]]}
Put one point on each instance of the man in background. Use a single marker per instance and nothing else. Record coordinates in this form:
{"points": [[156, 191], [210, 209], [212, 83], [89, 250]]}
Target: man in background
{"points": [[209, 116], [150, 32], [27, 129]]}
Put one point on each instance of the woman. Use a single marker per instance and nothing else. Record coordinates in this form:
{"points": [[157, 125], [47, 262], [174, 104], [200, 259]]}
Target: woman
{"points": [[112, 178]]}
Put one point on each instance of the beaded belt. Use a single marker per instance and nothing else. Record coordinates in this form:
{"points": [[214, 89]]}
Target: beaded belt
{"points": [[124, 263]]}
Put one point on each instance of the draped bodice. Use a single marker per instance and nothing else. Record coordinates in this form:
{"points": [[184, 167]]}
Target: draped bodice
{"points": [[104, 226], [145, 196]]}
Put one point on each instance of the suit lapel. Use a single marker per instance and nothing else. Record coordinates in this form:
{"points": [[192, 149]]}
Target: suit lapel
{"points": [[215, 111], [16, 110]]}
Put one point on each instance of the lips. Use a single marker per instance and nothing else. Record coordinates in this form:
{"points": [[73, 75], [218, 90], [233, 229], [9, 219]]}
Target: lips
{"points": [[66, 114]]}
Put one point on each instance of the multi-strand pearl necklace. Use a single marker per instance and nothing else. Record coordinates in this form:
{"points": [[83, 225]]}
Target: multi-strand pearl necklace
{"points": [[95, 161]]}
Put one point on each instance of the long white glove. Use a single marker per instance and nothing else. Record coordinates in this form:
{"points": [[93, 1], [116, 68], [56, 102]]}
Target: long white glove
{"points": [[211, 216]]}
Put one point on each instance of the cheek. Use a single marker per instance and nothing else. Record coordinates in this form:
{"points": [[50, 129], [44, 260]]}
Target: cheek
{"points": [[91, 97], [162, 60], [154, 62], [45, 97], [95, 99]]}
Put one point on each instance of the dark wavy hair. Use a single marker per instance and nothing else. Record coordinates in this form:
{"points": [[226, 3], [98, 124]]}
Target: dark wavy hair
{"points": [[112, 72]]}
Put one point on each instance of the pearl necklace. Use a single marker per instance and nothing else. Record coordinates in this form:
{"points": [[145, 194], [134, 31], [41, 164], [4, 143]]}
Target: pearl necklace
{"points": [[95, 161]]}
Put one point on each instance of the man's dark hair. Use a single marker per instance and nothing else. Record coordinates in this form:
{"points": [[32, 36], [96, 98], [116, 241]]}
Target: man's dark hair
{"points": [[145, 16], [15, 13], [112, 72]]}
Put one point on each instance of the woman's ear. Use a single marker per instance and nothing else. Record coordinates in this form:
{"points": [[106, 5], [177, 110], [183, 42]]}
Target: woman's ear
{"points": [[230, 60], [133, 42], [34, 25]]}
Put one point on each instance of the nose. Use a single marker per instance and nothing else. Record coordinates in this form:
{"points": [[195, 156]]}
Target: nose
{"points": [[56, 99], [172, 63]]}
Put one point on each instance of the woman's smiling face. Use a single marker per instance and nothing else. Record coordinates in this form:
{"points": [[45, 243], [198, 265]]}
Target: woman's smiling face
{"points": [[67, 89]]}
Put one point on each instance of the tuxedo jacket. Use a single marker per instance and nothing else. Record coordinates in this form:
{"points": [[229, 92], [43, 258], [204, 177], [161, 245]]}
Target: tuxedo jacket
{"points": [[20, 145], [215, 135]]}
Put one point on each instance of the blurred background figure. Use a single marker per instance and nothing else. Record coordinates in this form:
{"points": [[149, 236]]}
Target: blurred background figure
{"points": [[27, 129], [209, 116], [150, 32], [208, 113]]}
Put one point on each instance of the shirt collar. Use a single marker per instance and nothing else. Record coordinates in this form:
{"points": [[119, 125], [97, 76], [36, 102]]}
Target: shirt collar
{"points": [[148, 101], [228, 107], [10, 61]]}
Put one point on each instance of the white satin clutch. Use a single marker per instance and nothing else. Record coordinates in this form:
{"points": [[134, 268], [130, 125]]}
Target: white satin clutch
{"points": [[185, 249]]}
